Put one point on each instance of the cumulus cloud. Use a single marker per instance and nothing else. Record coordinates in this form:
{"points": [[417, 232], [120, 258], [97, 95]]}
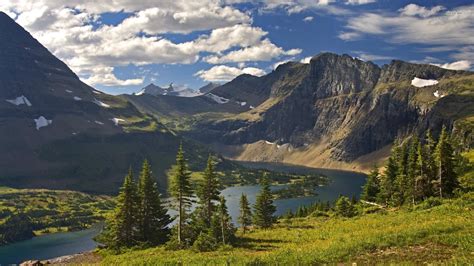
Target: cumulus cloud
{"points": [[222, 73], [306, 60], [458, 65], [416, 10], [74, 33], [263, 51]]}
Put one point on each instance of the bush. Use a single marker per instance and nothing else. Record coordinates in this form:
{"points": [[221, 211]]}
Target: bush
{"points": [[319, 214], [205, 242], [428, 204]]}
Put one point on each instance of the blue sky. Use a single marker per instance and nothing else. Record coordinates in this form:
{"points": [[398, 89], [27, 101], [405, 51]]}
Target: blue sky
{"points": [[123, 47]]}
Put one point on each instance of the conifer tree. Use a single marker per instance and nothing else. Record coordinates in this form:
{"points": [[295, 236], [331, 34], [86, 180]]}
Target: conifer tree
{"points": [[430, 167], [422, 184], [222, 226], [343, 207], [208, 192], [412, 171], [372, 187], [181, 190], [245, 216], [446, 176], [264, 208], [153, 216], [402, 179], [124, 224], [387, 183]]}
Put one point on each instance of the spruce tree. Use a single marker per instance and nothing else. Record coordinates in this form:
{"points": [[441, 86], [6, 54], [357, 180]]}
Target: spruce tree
{"points": [[208, 192], [412, 171], [372, 187], [222, 226], [430, 167], [124, 225], [402, 179], [446, 177], [245, 216], [388, 180], [264, 208], [343, 207], [181, 190], [152, 215]]}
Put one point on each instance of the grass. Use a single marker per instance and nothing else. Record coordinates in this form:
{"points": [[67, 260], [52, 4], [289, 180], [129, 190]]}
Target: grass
{"points": [[403, 234], [54, 210]]}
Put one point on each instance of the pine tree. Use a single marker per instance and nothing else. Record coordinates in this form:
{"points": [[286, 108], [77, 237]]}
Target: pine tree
{"points": [[402, 179], [412, 171], [387, 183], [153, 216], [222, 226], [430, 167], [343, 207], [264, 208], [446, 177], [422, 185], [208, 191], [181, 190], [245, 217], [372, 187], [124, 223]]}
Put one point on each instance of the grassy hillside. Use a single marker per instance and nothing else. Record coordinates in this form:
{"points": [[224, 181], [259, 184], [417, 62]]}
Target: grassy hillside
{"points": [[428, 234]]}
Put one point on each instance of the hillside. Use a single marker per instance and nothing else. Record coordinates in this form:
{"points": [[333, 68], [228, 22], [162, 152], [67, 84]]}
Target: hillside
{"points": [[336, 111], [383, 237], [58, 132]]}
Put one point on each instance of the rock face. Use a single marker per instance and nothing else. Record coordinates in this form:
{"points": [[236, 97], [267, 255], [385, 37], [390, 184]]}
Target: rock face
{"points": [[353, 107], [57, 132], [155, 90]]}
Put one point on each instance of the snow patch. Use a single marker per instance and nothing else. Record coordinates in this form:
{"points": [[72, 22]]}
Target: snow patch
{"points": [[117, 120], [20, 100], [69, 91], [417, 82], [269, 143], [98, 122], [101, 104], [42, 122], [217, 99], [77, 98], [242, 103], [96, 92], [251, 107], [437, 95], [283, 145], [140, 92]]}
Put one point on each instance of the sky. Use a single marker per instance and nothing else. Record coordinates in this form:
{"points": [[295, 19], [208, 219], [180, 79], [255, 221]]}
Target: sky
{"points": [[120, 46]]}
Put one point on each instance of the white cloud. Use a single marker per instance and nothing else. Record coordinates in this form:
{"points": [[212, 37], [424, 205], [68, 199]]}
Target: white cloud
{"points": [[224, 73], [306, 60], [371, 57], [277, 64], [94, 51], [458, 65], [416, 10], [360, 2], [264, 51], [308, 19]]}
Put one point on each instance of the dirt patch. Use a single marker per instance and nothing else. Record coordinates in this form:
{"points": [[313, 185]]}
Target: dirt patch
{"points": [[77, 259], [418, 254]]}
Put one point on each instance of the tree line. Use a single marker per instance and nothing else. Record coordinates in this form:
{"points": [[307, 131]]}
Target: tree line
{"points": [[141, 217], [417, 170]]}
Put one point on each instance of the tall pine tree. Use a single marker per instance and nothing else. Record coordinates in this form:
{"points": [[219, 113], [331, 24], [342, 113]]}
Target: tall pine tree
{"points": [[264, 208], [124, 225], [446, 177], [222, 226], [208, 191], [388, 180], [181, 190], [153, 216], [372, 186], [245, 216]]}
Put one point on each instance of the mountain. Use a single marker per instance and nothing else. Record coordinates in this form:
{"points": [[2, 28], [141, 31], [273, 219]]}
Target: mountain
{"points": [[208, 87], [336, 111], [181, 91], [58, 132]]}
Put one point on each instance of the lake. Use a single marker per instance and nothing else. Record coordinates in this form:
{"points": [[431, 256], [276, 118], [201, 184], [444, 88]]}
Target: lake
{"points": [[60, 244]]}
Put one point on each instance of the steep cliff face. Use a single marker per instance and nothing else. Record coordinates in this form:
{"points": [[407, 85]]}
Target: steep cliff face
{"points": [[349, 106]]}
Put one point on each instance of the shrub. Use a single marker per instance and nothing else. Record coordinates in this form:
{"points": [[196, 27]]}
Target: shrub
{"points": [[205, 242]]}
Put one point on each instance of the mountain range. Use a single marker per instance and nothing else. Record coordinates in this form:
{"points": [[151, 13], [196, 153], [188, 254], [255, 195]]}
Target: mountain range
{"points": [[337, 112]]}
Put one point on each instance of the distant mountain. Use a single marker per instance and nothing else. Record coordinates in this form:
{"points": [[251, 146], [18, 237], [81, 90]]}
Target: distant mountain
{"points": [[57, 132], [180, 91], [336, 111], [208, 87]]}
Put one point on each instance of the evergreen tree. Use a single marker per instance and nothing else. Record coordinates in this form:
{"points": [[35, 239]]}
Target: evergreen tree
{"points": [[422, 183], [430, 167], [446, 177], [181, 190], [124, 224], [387, 183], [245, 217], [153, 216], [372, 187], [343, 207], [412, 171], [208, 192], [264, 208], [222, 226], [402, 177]]}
